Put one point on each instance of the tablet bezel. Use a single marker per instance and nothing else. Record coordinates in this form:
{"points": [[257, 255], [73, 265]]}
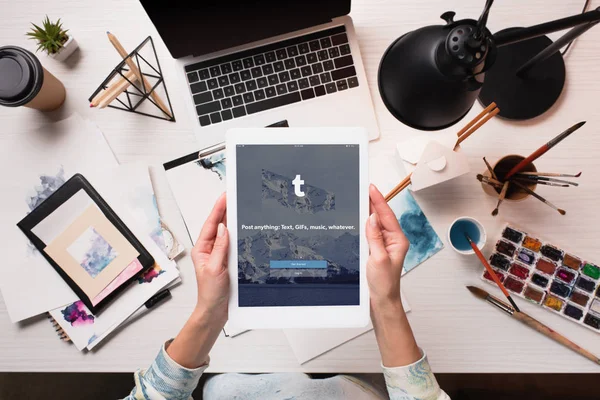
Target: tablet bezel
{"points": [[297, 316]]}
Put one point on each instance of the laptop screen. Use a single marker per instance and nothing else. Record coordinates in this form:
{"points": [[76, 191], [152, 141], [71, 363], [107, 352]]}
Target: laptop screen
{"points": [[204, 26]]}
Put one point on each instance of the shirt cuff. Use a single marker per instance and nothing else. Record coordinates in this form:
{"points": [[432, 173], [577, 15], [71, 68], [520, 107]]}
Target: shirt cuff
{"points": [[171, 379], [415, 379]]}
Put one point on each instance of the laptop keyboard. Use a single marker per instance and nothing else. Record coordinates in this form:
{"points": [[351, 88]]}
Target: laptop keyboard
{"points": [[275, 75]]}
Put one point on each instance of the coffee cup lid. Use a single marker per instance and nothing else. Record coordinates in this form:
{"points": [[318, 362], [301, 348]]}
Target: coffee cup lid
{"points": [[21, 76]]}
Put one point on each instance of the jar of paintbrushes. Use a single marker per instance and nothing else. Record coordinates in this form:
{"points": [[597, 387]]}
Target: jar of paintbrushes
{"points": [[515, 178]]}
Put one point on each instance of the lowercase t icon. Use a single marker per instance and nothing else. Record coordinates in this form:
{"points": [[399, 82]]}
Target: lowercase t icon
{"points": [[298, 182]]}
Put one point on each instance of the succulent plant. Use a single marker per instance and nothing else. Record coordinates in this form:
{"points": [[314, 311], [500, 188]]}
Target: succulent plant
{"points": [[51, 37]]}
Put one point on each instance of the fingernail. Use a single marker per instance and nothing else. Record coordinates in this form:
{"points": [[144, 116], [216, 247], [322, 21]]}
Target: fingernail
{"points": [[220, 230], [373, 220]]}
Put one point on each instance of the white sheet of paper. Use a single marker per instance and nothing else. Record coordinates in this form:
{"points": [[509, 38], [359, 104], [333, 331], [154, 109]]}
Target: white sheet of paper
{"points": [[411, 151], [308, 344], [54, 224], [429, 170], [39, 161], [196, 189]]}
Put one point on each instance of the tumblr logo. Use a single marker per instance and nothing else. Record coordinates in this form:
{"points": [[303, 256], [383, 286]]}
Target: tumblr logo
{"points": [[298, 182]]}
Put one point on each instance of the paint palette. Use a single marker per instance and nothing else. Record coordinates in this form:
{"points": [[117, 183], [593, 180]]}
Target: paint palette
{"points": [[547, 275]]}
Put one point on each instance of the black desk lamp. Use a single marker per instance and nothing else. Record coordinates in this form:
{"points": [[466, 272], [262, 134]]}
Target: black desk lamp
{"points": [[429, 78]]}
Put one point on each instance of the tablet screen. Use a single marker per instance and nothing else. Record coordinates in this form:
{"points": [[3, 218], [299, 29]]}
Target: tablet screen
{"points": [[298, 225]]}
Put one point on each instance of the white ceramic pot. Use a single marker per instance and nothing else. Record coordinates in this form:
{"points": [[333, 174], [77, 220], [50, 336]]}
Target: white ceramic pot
{"points": [[68, 48]]}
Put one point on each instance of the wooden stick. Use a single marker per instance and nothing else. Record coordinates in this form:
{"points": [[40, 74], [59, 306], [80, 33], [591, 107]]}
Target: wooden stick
{"points": [[115, 90], [540, 198], [399, 187], [141, 78], [480, 115], [477, 126], [118, 80], [501, 198]]}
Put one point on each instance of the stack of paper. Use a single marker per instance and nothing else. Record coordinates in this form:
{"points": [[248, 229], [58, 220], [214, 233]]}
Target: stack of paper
{"points": [[39, 163]]}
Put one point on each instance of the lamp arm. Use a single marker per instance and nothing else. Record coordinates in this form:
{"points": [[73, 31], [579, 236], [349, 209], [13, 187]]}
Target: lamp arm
{"points": [[521, 34]]}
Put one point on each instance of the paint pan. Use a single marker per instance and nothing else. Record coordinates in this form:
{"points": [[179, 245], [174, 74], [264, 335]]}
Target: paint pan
{"points": [[547, 275]]}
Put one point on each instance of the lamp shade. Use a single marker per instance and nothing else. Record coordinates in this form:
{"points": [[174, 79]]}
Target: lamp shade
{"points": [[428, 78]]}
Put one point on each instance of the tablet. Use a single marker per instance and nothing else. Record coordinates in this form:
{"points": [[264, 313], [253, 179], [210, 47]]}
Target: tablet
{"points": [[297, 205]]}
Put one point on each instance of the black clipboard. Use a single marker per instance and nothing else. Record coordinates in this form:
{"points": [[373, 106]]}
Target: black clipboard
{"points": [[76, 183]]}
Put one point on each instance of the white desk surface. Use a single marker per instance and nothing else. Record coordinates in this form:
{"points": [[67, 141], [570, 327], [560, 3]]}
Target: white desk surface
{"points": [[459, 332]]}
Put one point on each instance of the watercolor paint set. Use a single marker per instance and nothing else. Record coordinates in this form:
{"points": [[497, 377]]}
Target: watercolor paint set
{"points": [[548, 275]]}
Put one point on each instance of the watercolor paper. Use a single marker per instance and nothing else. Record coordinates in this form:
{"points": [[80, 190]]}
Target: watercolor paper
{"points": [[424, 242], [36, 163], [92, 268], [92, 251]]}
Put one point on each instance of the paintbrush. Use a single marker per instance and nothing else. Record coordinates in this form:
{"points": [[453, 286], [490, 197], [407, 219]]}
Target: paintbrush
{"points": [[529, 181], [500, 198], [489, 167], [490, 271], [542, 150], [532, 323], [489, 181], [543, 178], [551, 174], [540, 198]]}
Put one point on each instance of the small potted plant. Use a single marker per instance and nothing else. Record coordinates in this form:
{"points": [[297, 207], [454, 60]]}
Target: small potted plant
{"points": [[53, 39]]}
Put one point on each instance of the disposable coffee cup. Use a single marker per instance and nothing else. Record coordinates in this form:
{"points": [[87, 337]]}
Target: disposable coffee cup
{"points": [[24, 82]]}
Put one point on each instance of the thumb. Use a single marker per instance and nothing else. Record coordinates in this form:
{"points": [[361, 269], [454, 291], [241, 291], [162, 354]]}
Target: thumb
{"points": [[218, 255], [375, 239]]}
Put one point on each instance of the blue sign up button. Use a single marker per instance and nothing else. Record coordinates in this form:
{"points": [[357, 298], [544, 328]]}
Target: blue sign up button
{"points": [[304, 264]]}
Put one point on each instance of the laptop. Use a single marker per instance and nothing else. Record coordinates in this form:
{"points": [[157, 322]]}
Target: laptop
{"points": [[250, 63]]}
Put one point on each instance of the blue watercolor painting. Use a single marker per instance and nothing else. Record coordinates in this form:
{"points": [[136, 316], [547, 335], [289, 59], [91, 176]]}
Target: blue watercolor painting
{"points": [[214, 163], [424, 242], [92, 252], [48, 185]]}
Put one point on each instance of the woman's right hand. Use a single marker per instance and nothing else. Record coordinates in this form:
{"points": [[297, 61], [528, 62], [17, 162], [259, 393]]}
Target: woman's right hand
{"points": [[388, 247]]}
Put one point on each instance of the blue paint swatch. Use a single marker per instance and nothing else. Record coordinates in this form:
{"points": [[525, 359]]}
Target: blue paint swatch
{"points": [[457, 234]]}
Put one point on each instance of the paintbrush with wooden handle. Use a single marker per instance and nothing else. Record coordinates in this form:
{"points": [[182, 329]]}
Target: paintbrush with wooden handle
{"points": [[532, 323]]}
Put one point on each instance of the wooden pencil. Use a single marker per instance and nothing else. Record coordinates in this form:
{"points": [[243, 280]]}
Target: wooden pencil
{"points": [[115, 90], [141, 78]]}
